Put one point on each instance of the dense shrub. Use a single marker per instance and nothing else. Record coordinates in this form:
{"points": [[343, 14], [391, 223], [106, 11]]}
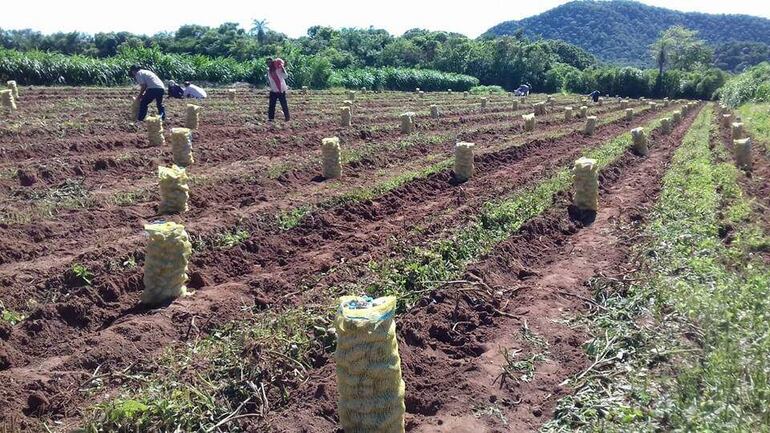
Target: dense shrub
{"points": [[401, 79], [750, 86]]}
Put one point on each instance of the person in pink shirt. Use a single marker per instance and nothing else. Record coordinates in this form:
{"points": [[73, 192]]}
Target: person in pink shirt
{"points": [[276, 79]]}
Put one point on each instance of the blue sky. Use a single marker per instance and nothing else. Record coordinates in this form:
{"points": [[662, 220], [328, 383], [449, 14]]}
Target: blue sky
{"points": [[294, 17]]}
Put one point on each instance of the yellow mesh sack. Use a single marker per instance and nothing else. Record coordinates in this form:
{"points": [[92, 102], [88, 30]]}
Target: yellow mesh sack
{"points": [[742, 150], [407, 123], [6, 97], [463, 161], [583, 111], [434, 111], [165, 262], [539, 108], [135, 109], [737, 131], [590, 125], [676, 116], [181, 146], [11, 84], [629, 114], [155, 130], [639, 141], [345, 116], [192, 116], [529, 121], [567, 113], [371, 390], [174, 191], [483, 103], [585, 177], [330, 157], [665, 125]]}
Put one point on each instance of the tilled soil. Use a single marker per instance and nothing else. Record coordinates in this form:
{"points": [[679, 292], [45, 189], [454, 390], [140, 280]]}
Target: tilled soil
{"points": [[78, 327], [452, 342]]}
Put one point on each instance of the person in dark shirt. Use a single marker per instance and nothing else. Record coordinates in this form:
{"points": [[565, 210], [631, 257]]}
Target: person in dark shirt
{"points": [[594, 95], [175, 90]]}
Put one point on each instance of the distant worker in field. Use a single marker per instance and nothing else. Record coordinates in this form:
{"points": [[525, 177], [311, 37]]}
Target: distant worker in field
{"points": [[151, 88], [175, 90], [594, 95], [193, 91], [276, 79], [523, 90]]}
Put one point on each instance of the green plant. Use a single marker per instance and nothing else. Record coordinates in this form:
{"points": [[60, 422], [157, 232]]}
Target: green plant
{"points": [[81, 271], [231, 238]]}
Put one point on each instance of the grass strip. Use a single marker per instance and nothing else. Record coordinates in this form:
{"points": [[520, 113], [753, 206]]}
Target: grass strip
{"points": [[683, 344]]}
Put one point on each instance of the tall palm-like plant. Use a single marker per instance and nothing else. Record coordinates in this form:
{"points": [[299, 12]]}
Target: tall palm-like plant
{"points": [[259, 28]]}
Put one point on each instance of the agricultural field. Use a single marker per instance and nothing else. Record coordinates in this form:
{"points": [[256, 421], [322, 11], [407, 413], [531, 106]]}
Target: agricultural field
{"points": [[503, 286]]}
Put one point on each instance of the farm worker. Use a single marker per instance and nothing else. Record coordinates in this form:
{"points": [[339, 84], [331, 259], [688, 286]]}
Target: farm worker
{"points": [[523, 90], [175, 90], [150, 88], [193, 91], [276, 79], [594, 95]]}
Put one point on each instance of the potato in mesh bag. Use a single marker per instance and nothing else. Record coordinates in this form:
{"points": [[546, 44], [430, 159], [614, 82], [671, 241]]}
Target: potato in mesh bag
{"points": [[585, 176], [371, 390], [181, 146], [165, 262], [174, 191]]}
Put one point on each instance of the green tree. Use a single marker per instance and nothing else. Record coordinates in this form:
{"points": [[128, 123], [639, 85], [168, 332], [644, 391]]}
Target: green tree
{"points": [[259, 29], [679, 48]]}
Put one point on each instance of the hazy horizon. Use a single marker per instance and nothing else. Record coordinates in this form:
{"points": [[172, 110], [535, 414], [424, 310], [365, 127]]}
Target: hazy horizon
{"points": [[46, 16]]}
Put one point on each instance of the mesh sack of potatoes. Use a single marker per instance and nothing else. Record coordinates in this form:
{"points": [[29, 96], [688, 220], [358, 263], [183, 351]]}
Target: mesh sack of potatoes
{"points": [[483, 103], [348, 103], [736, 130], [14, 88], [351, 95], [181, 146], [463, 161], [623, 105], [639, 141], [6, 97], [585, 178], [345, 116], [407, 123], [330, 157], [135, 109], [567, 113], [231, 94], [155, 130], [665, 125], [583, 112], [590, 125], [434, 111], [371, 390], [515, 105], [742, 150], [539, 108], [676, 116], [165, 262], [174, 191], [529, 121], [192, 116], [629, 114]]}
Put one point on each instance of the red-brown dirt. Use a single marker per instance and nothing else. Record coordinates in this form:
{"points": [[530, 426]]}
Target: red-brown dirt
{"points": [[74, 327]]}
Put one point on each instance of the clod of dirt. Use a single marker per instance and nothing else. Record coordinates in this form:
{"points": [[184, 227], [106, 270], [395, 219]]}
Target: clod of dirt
{"points": [[37, 404], [26, 179], [197, 281], [104, 164]]}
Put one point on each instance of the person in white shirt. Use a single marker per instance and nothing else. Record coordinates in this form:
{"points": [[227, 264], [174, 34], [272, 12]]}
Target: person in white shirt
{"points": [[193, 91], [276, 79], [151, 88]]}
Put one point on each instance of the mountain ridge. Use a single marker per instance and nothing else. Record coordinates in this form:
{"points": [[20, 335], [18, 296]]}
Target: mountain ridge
{"points": [[621, 31]]}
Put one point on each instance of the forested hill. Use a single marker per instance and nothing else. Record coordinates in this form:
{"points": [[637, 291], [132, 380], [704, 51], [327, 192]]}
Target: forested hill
{"points": [[621, 31]]}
